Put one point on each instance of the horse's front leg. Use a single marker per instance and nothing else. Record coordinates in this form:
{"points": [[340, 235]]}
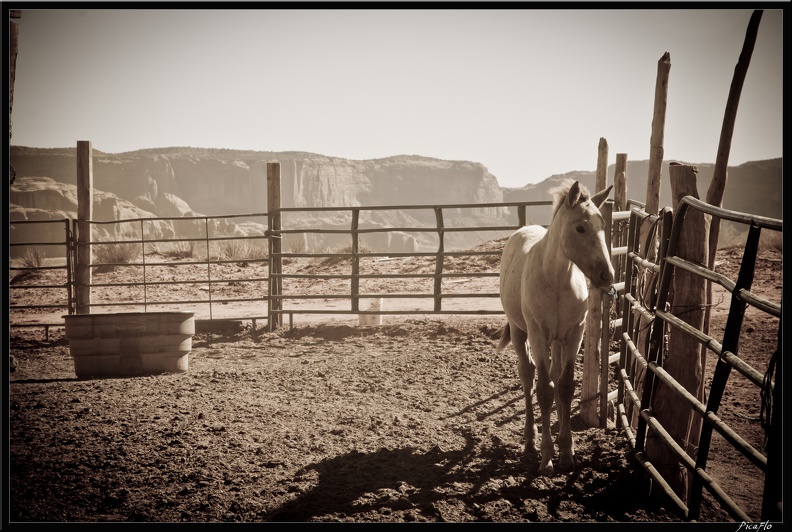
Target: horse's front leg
{"points": [[545, 390], [563, 374], [526, 369]]}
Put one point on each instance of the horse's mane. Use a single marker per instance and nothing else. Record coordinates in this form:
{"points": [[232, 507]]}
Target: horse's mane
{"points": [[560, 192]]}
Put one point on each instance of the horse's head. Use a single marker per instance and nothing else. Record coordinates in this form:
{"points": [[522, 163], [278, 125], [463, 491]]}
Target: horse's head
{"points": [[581, 229]]}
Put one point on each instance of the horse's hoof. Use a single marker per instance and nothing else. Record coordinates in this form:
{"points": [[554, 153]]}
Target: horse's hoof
{"points": [[530, 449], [567, 467], [546, 470], [567, 463]]}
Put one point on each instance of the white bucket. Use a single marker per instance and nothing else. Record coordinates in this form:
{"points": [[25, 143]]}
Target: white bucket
{"points": [[372, 319]]}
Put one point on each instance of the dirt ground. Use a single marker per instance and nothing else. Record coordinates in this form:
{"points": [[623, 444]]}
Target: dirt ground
{"points": [[417, 419]]}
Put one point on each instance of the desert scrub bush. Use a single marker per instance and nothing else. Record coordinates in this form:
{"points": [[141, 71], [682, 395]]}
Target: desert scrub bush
{"points": [[297, 246], [240, 250], [32, 257], [331, 261], [772, 240], [116, 253], [179, 249]]}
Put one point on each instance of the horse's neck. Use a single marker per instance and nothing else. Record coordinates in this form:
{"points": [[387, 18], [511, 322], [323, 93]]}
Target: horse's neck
{"points": [[554, 261]]}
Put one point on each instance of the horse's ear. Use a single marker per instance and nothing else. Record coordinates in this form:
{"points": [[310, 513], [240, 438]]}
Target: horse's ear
{"points": [[599, 198], [574, 194]]}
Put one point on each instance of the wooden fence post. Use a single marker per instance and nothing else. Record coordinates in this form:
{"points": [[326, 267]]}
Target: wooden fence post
{"points": [[683, 360], [438, 275], [647, 247], [656, 150], [591, 349], [274, 319], [620, 183], [84, 230], [619, 236], [620, 204]]}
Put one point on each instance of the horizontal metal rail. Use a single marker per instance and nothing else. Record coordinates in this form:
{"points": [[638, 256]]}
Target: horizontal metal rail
{"points": [[754, 300], [383, 295], [198, 281]]}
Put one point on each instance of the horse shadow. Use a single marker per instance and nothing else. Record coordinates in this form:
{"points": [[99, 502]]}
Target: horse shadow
{"points": [[356, 483], [406, 478]]}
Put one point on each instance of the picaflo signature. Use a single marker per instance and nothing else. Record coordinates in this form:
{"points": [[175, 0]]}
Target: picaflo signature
{"points": [[762, 525]]}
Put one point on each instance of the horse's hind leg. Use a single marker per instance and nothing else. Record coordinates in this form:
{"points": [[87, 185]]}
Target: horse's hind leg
{"points": [[526, 369]]}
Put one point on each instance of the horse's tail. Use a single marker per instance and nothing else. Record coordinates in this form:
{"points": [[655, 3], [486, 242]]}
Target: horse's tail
{"points": [[505, 337]]}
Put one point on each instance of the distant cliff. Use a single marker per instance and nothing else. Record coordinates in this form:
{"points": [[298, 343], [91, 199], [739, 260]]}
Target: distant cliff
{"points": [[188, 181], [179, 182], [753, 187]]}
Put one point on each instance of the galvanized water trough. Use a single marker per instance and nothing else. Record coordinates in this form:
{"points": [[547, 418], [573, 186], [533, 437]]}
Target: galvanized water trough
{"points": [[130, 343]]}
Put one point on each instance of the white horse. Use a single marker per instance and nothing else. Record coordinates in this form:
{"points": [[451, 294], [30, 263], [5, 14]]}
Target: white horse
{"points": [[544, 293]]}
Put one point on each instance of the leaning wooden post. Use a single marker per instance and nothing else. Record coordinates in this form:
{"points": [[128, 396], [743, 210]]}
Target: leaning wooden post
{"points": [[719, 175], [84, 215], [718, 183], [591, 349], [682, 360], [275, 304]]}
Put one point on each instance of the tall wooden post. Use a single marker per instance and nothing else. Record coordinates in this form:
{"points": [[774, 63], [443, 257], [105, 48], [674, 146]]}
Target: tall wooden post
{"points": [[84, 214], [274, 318], [619, 232], [592, 341], [656, 149], [620, 182], [620, 204], [683, 360], [648, 247]]}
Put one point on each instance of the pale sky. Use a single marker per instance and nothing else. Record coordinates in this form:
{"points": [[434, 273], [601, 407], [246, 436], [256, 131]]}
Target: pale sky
{"points": [[527, 93]]}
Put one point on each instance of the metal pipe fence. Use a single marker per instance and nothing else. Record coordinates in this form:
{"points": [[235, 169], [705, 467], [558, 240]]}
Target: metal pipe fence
{"points": [[134, 253], [357, 254], [643, 361], [31, 262]]}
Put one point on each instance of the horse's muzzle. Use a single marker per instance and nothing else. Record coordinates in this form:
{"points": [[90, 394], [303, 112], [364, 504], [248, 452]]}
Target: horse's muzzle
{"points": [[605, 279]]}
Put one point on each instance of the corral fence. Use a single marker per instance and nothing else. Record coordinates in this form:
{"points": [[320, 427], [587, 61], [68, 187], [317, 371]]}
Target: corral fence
{"points": [[31, 253], [649, 387], [358, 293], [132, 250], [635, 316]]}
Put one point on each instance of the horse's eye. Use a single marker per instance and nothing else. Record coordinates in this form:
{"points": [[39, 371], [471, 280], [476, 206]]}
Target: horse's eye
{"points": [[580, 229]]}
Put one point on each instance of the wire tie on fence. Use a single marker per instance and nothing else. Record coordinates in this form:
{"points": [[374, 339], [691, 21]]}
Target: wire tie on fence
{"points": [[690, 308]]}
